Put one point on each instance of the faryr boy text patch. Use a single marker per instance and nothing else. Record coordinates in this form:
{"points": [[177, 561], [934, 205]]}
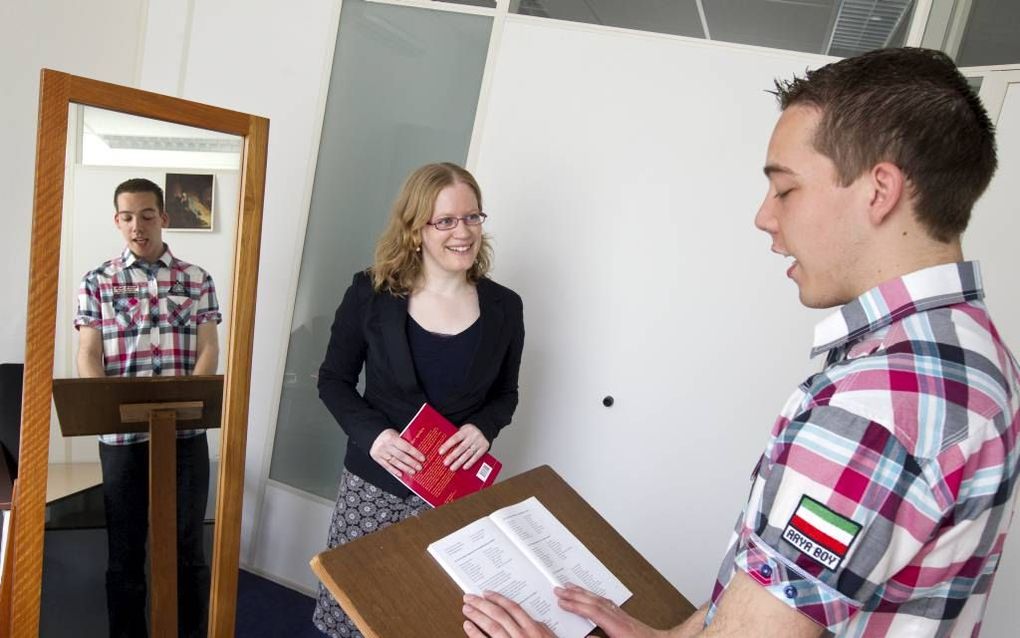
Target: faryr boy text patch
{"points": [[820, 533]]}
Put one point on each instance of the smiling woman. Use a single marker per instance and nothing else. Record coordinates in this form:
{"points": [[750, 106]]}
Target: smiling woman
{"points": [[427, 325]]}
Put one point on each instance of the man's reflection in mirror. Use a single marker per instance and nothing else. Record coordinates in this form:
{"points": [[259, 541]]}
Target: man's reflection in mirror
{"points": [[147, 313]]}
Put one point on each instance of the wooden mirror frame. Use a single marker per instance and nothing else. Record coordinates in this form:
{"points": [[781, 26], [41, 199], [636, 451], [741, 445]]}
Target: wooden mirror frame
{"points": [[57, 91]]}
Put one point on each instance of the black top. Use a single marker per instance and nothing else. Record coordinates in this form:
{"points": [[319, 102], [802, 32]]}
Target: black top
{"points": [[370, 332], [441, 361]]}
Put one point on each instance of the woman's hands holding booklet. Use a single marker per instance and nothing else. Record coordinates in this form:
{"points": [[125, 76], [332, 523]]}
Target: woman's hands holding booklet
{"points": [[395, 454], [465, 447]]}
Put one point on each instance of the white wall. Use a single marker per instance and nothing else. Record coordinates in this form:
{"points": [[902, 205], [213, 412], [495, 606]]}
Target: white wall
{"points": [[96, 39], [271, 59], [622, 172], [991, 238], [261, 57]]}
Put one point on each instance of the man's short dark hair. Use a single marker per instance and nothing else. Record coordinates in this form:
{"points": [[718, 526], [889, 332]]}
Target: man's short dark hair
{"points": [[911, 107], [140, 185]]}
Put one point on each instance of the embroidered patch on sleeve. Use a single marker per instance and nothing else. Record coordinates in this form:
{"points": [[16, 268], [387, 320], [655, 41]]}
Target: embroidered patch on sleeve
{"points": [[820, 533]]}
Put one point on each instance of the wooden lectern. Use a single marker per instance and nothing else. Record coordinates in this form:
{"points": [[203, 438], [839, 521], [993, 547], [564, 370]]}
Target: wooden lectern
{"points": [[159, 406], [392, 588]]}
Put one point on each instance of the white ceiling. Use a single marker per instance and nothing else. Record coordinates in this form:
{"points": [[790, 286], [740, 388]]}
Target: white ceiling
{"points": [[121, 126]]}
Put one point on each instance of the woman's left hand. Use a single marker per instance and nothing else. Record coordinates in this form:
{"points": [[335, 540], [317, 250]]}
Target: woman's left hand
{"points": [[465, 447]]}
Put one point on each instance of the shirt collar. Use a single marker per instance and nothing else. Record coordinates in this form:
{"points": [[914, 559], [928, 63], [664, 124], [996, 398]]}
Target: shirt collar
{"points": [[130, 259], [919, 291]]}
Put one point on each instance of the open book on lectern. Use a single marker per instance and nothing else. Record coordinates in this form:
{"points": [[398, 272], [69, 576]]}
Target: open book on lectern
{"points": [[522, 552]]}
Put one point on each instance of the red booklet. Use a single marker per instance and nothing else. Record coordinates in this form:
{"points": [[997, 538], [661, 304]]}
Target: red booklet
{"points": [[435, 483]]}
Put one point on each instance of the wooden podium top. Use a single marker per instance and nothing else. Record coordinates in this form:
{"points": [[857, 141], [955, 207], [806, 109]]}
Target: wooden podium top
{"points": [[392, 587], [92, 406]]}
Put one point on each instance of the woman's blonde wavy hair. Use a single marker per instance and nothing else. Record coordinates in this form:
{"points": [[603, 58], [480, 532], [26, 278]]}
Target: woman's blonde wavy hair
{"points": [[398, 263]]}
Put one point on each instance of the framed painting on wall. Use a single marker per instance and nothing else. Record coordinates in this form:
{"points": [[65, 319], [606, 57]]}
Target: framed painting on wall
{"points": [[189, 201]]}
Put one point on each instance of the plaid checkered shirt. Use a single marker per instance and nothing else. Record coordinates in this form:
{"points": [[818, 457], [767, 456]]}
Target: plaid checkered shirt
{"points": [[882, 501], [148, 314]]}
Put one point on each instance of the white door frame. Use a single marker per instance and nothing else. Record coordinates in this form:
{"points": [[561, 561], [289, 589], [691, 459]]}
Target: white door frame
{"points": [[995, 81]]}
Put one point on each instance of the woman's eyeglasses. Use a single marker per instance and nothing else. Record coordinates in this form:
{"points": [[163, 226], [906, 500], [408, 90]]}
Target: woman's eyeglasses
{"points": [[449, 223]]}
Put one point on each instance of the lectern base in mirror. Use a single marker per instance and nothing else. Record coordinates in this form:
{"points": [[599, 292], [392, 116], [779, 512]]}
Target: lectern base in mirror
{"points": [[163, 405]]}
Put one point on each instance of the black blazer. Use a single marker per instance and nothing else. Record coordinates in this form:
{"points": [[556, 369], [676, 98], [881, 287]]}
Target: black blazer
{"points": [[370, 330]]}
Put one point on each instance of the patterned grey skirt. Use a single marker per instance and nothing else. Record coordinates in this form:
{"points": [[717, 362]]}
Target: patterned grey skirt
{"points": [[361, 508]]}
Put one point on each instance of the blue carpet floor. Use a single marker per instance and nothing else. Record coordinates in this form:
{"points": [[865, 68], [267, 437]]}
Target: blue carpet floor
{"points": [[265, 609], [74, 594]]}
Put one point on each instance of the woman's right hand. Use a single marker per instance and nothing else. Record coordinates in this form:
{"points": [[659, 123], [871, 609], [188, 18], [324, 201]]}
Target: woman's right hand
{"points": [[395, 454]]}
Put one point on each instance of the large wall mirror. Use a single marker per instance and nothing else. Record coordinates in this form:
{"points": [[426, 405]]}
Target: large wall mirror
{"points": [[210, 162]]}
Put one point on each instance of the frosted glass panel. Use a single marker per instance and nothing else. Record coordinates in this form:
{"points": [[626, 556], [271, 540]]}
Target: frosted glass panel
{"points": [[678, 17], [992, 35], [832, 27], [403, 92]]}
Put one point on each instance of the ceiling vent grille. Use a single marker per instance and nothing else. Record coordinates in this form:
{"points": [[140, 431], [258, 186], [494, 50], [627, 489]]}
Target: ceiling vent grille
{"points": [[865, 25]]}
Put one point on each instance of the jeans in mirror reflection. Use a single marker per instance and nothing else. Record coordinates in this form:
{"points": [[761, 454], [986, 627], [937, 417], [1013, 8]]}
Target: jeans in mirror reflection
{"points": [[126, 499]]}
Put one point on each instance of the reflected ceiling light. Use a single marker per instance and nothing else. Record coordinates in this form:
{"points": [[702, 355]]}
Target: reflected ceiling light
{"points": [[189, 144]]}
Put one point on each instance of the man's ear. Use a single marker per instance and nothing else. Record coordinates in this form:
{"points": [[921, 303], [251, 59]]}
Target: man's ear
{"points": [[165, 219], [888, 190]]}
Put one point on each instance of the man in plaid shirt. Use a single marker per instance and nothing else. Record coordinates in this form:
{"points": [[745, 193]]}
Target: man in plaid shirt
{"points": [[147, 313], [882, 500]]}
